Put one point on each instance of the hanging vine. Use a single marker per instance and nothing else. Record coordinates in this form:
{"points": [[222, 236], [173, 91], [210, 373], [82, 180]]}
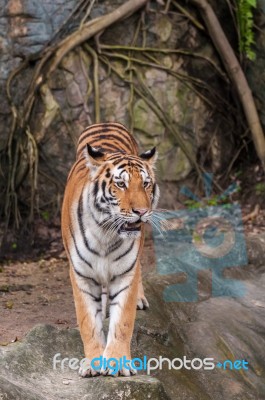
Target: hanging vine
{"points": [[22, 149]]}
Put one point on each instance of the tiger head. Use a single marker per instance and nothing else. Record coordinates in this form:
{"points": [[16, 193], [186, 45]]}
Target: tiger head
{"points": [[123, 191]]}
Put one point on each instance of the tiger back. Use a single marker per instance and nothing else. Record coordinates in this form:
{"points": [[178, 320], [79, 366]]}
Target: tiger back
{"points": [[110, 194]]}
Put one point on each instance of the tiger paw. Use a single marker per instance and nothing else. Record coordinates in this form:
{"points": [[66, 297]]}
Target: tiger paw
{"points": [[87, 370], [119, 367], [142, 303]]}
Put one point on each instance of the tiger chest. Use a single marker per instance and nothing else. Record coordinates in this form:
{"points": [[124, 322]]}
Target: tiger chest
{"points": [[105, 261]]}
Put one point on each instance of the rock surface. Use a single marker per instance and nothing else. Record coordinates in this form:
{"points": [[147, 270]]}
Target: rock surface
{"points": [[222, 328], [27, 372], [66, 104]]}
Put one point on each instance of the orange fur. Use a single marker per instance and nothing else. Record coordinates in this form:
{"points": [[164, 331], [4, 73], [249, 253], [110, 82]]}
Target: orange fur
{"points": [[111, 147]]}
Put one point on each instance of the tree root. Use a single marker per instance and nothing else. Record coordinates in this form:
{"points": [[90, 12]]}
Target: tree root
{"points": [[236, 74]]}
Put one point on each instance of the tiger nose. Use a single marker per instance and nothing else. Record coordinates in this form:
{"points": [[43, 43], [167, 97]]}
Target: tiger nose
{"points": [[140, 211]]}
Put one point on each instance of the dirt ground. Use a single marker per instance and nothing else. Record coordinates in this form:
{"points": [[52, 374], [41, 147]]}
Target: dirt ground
{"points": [[37, 292]]}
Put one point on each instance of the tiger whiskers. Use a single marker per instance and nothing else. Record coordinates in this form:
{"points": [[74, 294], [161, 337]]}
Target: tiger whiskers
{"points": [[112, 225], [156, 224], [161, 210], [170, 224]]}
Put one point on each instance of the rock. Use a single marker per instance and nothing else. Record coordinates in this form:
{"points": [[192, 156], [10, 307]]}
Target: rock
{"points": [[162, 28], [28, 25], [27, 372], [256, 255], [229, 330]]}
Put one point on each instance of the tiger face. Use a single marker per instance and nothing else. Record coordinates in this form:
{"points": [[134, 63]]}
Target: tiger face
{"points": [[123, 190]]}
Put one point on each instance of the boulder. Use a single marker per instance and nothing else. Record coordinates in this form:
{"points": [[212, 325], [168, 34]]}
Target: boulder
{"points": [[228, 329]]}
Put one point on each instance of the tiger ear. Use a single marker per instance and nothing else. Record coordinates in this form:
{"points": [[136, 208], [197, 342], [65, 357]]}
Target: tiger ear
{"points": [[150, 156], [94, 156]]}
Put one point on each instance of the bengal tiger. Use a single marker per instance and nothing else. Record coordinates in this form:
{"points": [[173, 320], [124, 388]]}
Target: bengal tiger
{"points": [[110, 193]]}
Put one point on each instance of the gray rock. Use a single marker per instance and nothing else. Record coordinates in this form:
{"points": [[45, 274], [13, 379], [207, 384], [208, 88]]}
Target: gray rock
{"points": [[28, 25], [27, 372], [221, 328]]}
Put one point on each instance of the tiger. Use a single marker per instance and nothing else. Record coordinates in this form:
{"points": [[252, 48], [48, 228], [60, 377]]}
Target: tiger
{"points": [[110, 194]]}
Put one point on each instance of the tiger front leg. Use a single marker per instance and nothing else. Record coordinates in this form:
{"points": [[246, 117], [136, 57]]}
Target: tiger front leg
{"points": [[87, 297], [122, 302], [142, 302]]}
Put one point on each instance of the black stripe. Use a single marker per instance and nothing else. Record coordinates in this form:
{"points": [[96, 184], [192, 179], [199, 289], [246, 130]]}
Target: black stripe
{"points": [[126, 271], [97, 299], [110, 148], [135, 161], [95, 189], [123, 165], [115, 138], [94, 218], [114, 247], [100, 209], [103, 187], [115, 304], [110, 198], [124, 158], [125, 253], [154, 192], [81, 225], [81, 168], [116, 155], [97, 206], [76, 271], [111, 297], [129, 162], [77, 250], [108, 173], [115, 125], [99, 310], [109, 125], [84, 276], [85, 135], [103, 128], [136, 158]]}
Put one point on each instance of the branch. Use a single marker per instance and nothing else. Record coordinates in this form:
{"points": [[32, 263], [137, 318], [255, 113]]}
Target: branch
{"points": [[53, 58], [236, 75], [91, 29], [46, 63]]}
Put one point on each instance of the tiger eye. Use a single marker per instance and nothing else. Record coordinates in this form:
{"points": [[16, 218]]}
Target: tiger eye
{"points": [[121, 185], [103, 237]]}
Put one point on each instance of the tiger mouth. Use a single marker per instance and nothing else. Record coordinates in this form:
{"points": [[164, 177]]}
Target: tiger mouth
{"points": [[131, 227]]}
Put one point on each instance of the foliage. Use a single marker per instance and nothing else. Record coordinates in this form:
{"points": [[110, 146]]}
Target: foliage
{"points": [[245, 24], [212, 201], [260, 189], [22, 151]]}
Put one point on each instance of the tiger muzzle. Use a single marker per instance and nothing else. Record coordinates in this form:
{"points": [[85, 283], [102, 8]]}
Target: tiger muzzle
{"points": [[131, 226]]}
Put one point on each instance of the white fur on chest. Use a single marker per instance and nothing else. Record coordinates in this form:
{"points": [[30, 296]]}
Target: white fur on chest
{"points": [[104, 266]]}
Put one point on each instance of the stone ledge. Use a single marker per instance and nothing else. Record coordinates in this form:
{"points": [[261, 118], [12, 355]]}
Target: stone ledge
{"points": [[27, 372]]}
